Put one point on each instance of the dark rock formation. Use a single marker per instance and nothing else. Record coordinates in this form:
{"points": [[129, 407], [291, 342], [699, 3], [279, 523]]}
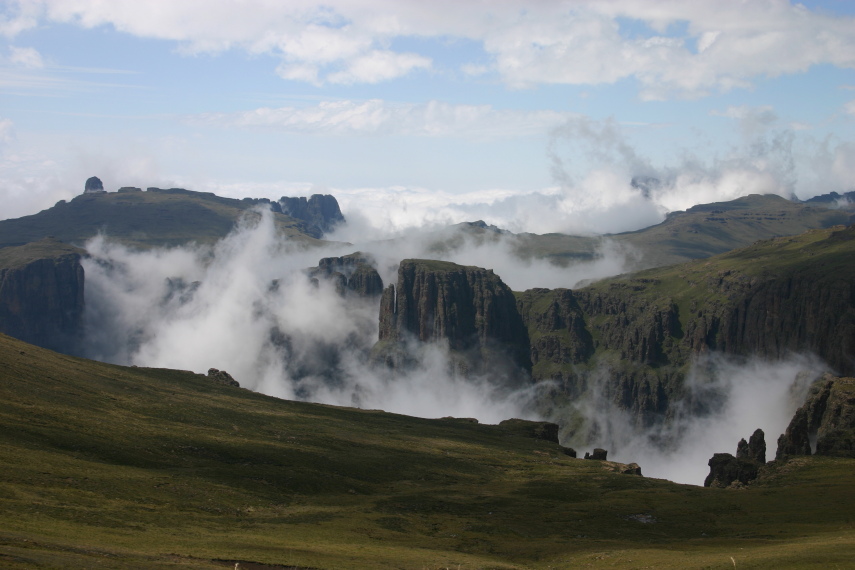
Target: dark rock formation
{"points": [[41, 294], [320, 212], [825, 424], [546, 431], [725, 469], [354, 273], [222, 377], [633, 469], [569, 451], [599, 454], [468, 307], [93, 185], [754, 449]]}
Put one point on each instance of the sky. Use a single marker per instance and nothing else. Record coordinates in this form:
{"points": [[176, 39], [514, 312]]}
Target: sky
{"points": [[534, 115]]}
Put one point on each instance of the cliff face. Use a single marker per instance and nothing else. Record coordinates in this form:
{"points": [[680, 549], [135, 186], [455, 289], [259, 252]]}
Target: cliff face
{"points": [[825, 424], [352, 274], [41, 294], [468, 307], [635, 337]]}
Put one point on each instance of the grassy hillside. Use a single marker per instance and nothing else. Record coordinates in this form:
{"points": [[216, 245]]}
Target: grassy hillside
{"points": [[113, 467], [150, 218], [700, 231]]}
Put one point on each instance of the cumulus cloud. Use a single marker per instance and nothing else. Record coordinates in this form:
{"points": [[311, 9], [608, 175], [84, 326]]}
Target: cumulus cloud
{"points": [[378, 117], [721, 46]]}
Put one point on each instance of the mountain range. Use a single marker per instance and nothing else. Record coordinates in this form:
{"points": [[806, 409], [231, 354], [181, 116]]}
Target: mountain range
{"points": [[162, 465]]}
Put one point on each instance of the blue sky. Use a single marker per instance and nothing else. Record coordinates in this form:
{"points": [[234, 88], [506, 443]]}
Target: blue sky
{"points": [[531, 114]]}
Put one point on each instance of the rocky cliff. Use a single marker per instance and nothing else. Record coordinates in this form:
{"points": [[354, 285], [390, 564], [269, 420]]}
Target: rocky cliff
{"points": [[41, 294], [825, 424], [469, 308], [352, 274], [636, 336]]}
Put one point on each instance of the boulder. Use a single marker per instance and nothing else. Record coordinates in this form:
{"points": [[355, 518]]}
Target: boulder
{"points": [[222, 377]]}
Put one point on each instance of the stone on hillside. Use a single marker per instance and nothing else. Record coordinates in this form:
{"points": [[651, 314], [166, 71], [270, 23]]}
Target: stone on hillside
{"points": [[222, 377], [599, 454]]}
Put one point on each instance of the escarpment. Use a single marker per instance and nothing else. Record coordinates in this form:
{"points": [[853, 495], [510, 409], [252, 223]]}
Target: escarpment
{"points": [[41, 294], [468, 308], [635, 337]]}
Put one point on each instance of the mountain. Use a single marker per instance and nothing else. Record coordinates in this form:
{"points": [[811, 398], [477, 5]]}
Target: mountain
{"points": [[115, 467], [634, 337], [701, 231], [157, 217]]}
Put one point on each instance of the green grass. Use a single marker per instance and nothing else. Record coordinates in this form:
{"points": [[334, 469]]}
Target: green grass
{"points": [[113, 467]]}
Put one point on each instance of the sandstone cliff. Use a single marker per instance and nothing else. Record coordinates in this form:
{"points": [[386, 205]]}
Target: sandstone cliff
{"points": [[41, 294], [469, 308]]}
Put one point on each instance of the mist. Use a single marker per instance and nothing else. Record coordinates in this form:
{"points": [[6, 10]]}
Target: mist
{"points": [[245, 305], [725, 399]]}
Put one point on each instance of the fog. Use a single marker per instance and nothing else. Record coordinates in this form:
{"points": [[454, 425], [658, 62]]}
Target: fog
{"points": [[246, 305], [725, 400]]}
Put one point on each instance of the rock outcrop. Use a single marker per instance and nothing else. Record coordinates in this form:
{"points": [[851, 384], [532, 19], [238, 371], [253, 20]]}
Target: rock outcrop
{"points": [[352, 274], [222, 377], [93, 186], [727, 470], [469, 308], [320, 212], [41, 294], [825, 424]]}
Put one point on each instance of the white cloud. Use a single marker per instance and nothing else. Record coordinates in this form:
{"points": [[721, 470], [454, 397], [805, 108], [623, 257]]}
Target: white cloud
{"points": [[725, 45], [850, 107], [380, 66], [26, 57], [6, 130], [377, 117]]}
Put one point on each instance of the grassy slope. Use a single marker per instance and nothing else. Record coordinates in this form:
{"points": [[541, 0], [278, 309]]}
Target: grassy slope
{"points": [[699, 232], [113, 467], [165, 218], [15, 257]]}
